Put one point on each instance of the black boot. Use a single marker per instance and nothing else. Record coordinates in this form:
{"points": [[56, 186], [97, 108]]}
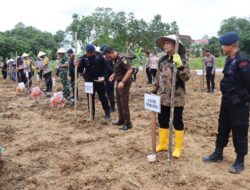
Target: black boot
{"points": [[117, 122], [238, 165], [217, 156], [107, 115], [126, 127]]}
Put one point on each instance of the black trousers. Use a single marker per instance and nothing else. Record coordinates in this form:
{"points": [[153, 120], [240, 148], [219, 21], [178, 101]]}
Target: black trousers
{"points": [[122, 98], [149, 75], [110, 87], [163, 118], [100, 89], [210, 78], [21, 77], [72, 85], [153, 73], [233, 118], [48, 81], [4, 73]]}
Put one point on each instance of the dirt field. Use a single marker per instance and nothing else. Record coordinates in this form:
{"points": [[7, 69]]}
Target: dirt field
{"points": [[45, 150]]}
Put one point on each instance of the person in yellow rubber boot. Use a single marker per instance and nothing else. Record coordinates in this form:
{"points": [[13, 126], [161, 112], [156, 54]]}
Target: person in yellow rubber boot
{"points": [[162, 87]]}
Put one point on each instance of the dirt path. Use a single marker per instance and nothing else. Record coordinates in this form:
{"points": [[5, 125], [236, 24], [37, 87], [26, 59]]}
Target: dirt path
{"points": [[45, 150]]}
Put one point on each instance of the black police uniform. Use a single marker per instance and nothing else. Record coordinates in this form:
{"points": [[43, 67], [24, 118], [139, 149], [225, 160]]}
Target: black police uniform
{"points": [[234, 111], [109, 85], [94, 68]]}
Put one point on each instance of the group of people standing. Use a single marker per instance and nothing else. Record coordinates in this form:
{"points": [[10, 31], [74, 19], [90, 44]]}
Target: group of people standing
{"points": [[105, 67]]}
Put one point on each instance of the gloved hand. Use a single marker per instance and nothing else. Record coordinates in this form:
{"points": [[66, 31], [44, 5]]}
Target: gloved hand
{"points": [[177, 60]]}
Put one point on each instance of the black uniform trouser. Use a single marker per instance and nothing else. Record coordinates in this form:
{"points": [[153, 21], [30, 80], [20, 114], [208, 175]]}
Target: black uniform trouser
{"points": [[4, 72], [21, 77], [72, 85], [122, 99], [100, 89], [110, 93], [210, 78], [149, 75], [233, 118], [153, 73], [164, 116], [134, 74], [48, 81]]}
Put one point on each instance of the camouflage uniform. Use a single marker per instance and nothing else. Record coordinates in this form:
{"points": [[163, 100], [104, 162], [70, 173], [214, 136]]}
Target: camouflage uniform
{"points": [[63, 73]]}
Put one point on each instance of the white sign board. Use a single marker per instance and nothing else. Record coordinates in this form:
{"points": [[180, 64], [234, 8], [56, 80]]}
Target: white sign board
{"points": [[89, 88], [141, 68], [199, 72], [152, 103]]}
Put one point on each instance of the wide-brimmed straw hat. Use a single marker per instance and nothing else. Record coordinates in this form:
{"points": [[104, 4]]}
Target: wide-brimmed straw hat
{"points": [[161, 41], [41, 54]]}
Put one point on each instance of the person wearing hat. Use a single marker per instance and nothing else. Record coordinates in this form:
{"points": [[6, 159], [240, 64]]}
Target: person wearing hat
{"points": [[209, 63], [92, 64], [21, 77], [234, 109], [122, 75], [71, 59], [27, 66], [162, 87], [45, 68], [109, 85], [63, 66]]}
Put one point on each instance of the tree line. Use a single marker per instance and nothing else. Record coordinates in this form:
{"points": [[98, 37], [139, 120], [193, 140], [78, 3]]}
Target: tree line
{"points": [[120, 30]]}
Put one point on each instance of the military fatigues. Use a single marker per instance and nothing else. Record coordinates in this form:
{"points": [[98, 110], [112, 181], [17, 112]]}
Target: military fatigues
{"points": [[72, 74], [63, 73], [162, 86], [94, 68], [121, 66], [234, 111]]}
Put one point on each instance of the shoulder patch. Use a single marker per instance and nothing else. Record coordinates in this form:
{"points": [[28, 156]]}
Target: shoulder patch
{"points": [[243, 64]]}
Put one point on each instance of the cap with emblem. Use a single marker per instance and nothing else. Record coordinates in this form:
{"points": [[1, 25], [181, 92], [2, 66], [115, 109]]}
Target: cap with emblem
{"points": [[229, 38], [90, 48]]}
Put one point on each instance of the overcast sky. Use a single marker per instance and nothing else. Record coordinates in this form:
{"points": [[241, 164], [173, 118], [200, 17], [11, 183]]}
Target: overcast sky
{"points": [[194, 17]]}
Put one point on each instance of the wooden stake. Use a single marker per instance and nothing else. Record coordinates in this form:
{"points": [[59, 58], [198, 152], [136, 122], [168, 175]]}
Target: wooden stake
{"points": [[153, 131], [75, 91], [171, 120]]}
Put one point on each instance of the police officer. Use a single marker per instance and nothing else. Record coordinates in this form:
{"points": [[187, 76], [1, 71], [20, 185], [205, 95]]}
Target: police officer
{"points": [[109, 85], [93, 63], [122, 74], [63, 66], [209, 63], [234, 110]]}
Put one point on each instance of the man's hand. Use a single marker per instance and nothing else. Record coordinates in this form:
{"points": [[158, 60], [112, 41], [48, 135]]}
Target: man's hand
{"points": [[76, 63], [120, 85], [177, 60], [112, 77]]}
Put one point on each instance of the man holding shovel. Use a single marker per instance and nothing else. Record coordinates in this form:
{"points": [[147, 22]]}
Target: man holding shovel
{"points": [[163, 85]]}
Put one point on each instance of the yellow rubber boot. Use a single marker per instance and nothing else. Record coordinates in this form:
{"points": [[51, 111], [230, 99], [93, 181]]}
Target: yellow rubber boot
{"points": [[163, 140], [179, 135]]}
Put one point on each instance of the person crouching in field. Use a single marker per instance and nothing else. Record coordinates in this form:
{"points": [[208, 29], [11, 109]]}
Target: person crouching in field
{"points": [[162, 87]]}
